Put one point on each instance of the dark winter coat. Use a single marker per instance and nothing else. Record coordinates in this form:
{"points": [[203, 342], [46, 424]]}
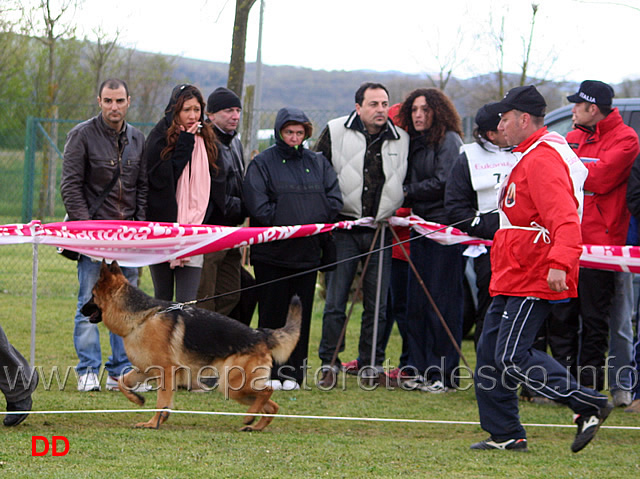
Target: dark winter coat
{"points": [[290, 186], [429, 169], [226, 189], [163, 174]]}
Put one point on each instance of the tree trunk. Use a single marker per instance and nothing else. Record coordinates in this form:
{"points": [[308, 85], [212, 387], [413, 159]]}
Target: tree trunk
{"points": [[53, 166], [239, 43], [51, 98], [527, 53]]}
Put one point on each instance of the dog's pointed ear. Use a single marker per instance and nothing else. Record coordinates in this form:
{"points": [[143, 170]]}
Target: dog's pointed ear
{"points": [[104, 268], [115, 268]]}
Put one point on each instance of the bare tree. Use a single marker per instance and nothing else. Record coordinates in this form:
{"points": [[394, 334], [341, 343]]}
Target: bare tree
{"points": [[628, 89], [531, 69], [99, 51], [13, 47], [448, 59], [526, 55], [49, 27], [498, 41], [238, 46], [149, 78]]}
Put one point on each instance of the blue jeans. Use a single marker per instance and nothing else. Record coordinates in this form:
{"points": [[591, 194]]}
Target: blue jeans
{"points": [[621, 333], [350, 243], [86, 337], [635, 383]]}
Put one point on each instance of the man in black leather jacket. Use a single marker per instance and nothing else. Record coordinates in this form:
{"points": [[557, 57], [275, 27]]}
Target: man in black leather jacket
{"points": [[97, 152]]}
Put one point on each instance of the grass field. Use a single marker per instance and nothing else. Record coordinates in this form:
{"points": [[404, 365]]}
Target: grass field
{"points": [[106, 444]]}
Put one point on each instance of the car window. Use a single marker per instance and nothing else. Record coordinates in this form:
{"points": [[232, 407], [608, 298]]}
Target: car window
{"points": [[563, 125], [634, 121]]}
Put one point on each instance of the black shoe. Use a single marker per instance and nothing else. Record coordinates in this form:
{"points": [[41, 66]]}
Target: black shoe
{"points": [[519, 445], [588, 427], [210, 382], [15, 419]]}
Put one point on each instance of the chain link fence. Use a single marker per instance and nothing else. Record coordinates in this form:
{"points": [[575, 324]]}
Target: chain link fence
{"points": [[31, 147]]}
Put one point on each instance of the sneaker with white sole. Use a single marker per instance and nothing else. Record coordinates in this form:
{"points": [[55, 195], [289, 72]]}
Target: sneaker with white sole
{"points": [[621, 398], [88, 382], [112, 385], [588, 427], [519, 445], [289, 385], [435, 387], [274, 384]]}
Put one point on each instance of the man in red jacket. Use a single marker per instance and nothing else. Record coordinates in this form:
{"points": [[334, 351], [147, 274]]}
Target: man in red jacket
{"points": [[534, 263], [608, 148]]}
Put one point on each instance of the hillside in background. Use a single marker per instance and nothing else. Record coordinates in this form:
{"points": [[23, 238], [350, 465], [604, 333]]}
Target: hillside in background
{"points": [[334, 90], [288, 85]]}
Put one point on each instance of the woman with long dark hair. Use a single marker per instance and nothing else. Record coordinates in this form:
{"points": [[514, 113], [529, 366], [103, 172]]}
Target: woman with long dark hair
{"points": [[181, 157], [435, 130]]}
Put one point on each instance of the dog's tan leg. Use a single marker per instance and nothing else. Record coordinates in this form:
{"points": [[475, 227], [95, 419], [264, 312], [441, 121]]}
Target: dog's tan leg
{"points": [[164, 400], [129, 381], [259, 401], [269, 407]]}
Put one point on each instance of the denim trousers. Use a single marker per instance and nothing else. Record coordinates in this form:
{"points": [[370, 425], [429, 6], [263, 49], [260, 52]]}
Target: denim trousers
{"points": [[635, 377], [620, 357], [351, 243], [86, 337]]}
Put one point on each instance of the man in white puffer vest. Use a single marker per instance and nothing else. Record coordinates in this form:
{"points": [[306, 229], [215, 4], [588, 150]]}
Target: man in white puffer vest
{"points": [[369, 154]]}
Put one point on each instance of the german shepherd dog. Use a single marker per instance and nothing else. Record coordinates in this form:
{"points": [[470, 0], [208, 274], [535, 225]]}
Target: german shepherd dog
{"points": [[170, 345]]}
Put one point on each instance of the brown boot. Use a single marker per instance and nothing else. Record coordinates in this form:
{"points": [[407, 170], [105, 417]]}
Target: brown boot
{"points": [[329, 379], [635, 406]]}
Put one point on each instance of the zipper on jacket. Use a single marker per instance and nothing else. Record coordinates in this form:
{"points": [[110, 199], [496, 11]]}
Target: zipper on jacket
{"points": [[119, 165]]}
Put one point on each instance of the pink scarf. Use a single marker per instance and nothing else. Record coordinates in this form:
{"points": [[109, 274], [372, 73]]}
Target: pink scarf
{"points": [[192, 192]]}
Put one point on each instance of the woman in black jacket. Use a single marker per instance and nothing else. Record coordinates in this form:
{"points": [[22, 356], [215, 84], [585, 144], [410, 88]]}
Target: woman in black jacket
{"points": [[288, 184], [435, 130], [181, 157]]}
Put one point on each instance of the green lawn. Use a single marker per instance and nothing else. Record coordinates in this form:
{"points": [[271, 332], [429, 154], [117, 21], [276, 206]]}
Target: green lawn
{"points": [[106, 445]]}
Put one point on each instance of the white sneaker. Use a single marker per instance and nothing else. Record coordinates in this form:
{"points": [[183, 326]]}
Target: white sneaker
{"points": [[435, 387], [274, 384], [621, 398], [112, 385], [88, 382], [289, 385]]}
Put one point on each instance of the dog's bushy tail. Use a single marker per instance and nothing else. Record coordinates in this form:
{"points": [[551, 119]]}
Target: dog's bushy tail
{"points": [[284, 340]]}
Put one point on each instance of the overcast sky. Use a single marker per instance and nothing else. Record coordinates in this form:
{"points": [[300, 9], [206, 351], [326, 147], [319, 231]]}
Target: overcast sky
{"points": [[573, 39]]}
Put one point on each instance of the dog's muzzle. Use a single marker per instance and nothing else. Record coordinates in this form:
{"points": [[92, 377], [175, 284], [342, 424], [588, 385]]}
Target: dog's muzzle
{"points": [[92, 311]]}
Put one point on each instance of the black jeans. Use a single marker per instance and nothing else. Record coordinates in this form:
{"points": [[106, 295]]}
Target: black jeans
{"points": [[273, 306], [579, 330]]}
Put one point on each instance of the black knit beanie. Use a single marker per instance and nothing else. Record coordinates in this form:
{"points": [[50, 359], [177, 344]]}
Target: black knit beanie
{"points": [[222, 98]]}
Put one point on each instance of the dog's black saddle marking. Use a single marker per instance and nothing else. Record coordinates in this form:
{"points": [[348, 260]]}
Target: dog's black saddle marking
{"points": [[214, 335]]}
